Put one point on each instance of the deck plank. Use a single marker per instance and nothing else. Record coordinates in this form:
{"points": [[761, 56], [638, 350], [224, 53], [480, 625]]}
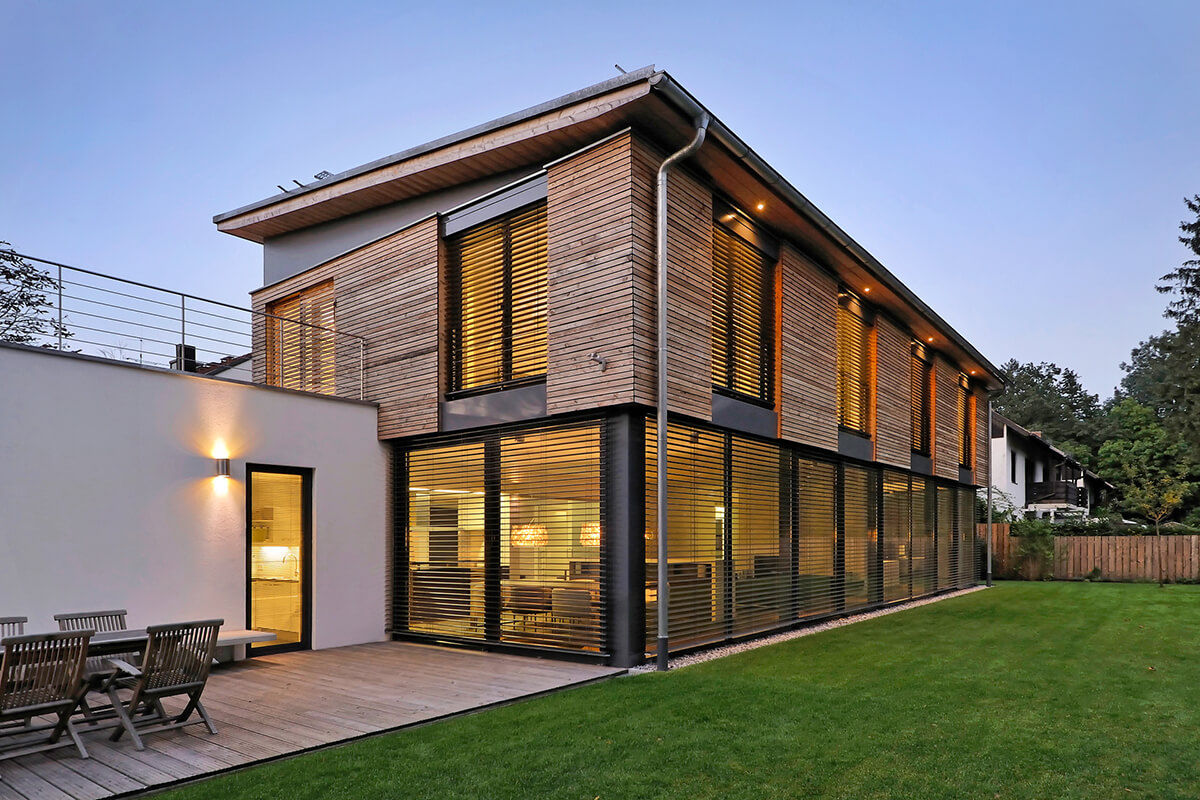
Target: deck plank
{"points": [[274, 705]]}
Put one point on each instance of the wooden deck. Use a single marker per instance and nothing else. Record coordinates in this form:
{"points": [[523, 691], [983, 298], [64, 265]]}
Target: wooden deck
{"points": [[273, 706]]}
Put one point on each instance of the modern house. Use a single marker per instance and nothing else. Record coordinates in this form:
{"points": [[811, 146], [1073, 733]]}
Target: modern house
{"points": [[1033, 478], [827, 428], [448, 432]]}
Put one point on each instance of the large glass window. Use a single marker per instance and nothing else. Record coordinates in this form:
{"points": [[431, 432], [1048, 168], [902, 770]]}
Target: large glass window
{"points": [[497, 302], [922, 399], [300, 347], [760, 538], [446, 528], [854, 377], [861, 525], [924, 556], [947, 547], [818, 516], [897, 536], [505, 538], [742, 317], [696, 540], [550, 538]]}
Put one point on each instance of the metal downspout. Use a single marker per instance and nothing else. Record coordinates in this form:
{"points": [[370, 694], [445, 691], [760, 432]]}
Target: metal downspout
{"points": [[989, 494], [660, 503]]}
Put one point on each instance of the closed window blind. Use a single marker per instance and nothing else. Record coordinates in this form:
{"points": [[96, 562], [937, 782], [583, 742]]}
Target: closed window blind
{"points": [[854, 368], [922, 395], [497, 308], [966, 422], [300, 341], [743, 322]]}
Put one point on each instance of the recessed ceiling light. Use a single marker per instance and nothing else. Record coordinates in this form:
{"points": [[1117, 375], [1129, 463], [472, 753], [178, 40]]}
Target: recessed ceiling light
{"points": [[866, 288], [761, 206], [930, 339]]}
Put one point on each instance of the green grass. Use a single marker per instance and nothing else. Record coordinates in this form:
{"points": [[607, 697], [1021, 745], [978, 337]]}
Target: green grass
{"points": [[1031, 690]]}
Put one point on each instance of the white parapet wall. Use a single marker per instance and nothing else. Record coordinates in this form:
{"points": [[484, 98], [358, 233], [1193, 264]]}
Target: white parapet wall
{"points": [[108, 497]]}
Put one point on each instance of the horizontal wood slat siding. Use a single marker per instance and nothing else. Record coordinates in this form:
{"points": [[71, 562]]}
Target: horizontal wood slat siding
{"points": [[983, 442], [945, 416], [808, 352], [387, 292], [893, 417], [689, 272], [590, 288], [1166, 559]]}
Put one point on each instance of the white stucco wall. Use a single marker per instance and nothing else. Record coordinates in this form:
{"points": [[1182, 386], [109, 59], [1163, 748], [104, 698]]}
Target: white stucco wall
{"points": [[1007, 493], [107, 494]]}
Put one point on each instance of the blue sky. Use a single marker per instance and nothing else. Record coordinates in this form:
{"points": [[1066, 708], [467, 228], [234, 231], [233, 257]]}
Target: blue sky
{"points": [[1020, 166]]}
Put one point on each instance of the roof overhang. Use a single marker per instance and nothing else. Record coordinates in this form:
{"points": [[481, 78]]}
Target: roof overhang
{"points": [[654, 104]]}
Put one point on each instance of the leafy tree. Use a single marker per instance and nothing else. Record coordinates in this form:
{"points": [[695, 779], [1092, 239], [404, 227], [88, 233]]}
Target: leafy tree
{"points": [[25, 304], [1149, 466], [1163, 373], [1048, 398]]}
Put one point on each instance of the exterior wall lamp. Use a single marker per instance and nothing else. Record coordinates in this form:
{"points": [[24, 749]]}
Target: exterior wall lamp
{"points": [[222, 467]]}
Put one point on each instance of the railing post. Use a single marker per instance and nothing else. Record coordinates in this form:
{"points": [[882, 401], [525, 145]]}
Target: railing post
{"points": [[182, 319], [362, 369], [60, 308]]}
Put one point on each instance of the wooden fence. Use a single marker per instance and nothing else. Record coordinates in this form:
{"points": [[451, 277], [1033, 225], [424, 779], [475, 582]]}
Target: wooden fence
{"points": [[1166, 559]]}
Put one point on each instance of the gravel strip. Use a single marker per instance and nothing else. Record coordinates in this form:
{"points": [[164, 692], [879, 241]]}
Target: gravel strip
{"points": [[741, 647]]}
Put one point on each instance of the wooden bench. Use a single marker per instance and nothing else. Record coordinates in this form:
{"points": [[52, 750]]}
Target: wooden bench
{"points": [[231, 644]]}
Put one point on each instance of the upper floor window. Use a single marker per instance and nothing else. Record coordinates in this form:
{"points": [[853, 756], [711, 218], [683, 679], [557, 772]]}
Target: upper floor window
{"points": [[300, 347], [497, 301], [921, 376], [853, 365], [1012, 454], [742, 315], [966, 422]]}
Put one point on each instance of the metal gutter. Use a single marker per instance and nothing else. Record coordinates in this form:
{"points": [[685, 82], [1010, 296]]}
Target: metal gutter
{"points": [[679, 97]]}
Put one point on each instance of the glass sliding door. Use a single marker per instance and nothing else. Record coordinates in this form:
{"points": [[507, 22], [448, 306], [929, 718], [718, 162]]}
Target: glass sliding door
{"points": [[278, 545]]}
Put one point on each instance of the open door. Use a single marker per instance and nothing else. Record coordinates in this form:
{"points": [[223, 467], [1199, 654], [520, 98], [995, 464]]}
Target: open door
{"points": [[278, 555]]}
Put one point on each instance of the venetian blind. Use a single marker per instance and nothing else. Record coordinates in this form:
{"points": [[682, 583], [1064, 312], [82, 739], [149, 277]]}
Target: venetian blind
{"points": [[854, 371], [742, 353], [497, 309], [300, 341]]}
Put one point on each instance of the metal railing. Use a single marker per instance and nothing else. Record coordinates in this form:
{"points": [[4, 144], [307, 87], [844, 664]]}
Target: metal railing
{"points": [[79, 310]]}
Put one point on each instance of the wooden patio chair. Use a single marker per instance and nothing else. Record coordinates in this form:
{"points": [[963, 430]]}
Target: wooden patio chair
{"points": [[177, 661], [12, 626], [41, 675], [92, 620], [99, 621]]}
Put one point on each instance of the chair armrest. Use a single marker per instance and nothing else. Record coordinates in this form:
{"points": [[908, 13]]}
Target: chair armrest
{"points": [[123, 666]]}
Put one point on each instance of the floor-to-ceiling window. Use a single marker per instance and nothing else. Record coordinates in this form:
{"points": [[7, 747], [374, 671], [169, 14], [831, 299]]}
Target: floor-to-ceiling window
{"points": [[505, 537], [279, 538], [897, 536], [861, 529]]}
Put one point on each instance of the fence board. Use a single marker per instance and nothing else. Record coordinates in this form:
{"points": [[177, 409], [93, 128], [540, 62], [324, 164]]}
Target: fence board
{"points": [[1167, 558]]}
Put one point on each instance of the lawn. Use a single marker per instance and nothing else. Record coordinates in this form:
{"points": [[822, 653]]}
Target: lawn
{"points": [[1029, 690]]}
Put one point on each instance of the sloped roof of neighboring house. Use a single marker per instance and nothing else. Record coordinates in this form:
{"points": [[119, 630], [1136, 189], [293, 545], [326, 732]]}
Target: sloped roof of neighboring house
{"points": [[649, 100], [1036, 436], [224, 365]]}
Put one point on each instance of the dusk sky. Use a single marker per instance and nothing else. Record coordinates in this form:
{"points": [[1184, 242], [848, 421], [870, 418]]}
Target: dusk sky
{"points": [[1021, 167]]}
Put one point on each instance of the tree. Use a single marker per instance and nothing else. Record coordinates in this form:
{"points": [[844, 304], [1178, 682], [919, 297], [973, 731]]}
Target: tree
{"points": [[1048, 398], [1184, 280], [25, 304], [1149, 466], [1163, 373]]}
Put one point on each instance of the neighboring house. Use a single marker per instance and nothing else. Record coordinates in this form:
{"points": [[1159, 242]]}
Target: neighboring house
{"points": [[1033, 478], [828, 428]]}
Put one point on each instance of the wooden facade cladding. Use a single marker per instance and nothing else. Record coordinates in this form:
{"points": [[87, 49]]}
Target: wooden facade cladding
{"points": [[590, 294], [689, 289], [386, 292], [945, 417], [893, 393], [807, 352]]}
